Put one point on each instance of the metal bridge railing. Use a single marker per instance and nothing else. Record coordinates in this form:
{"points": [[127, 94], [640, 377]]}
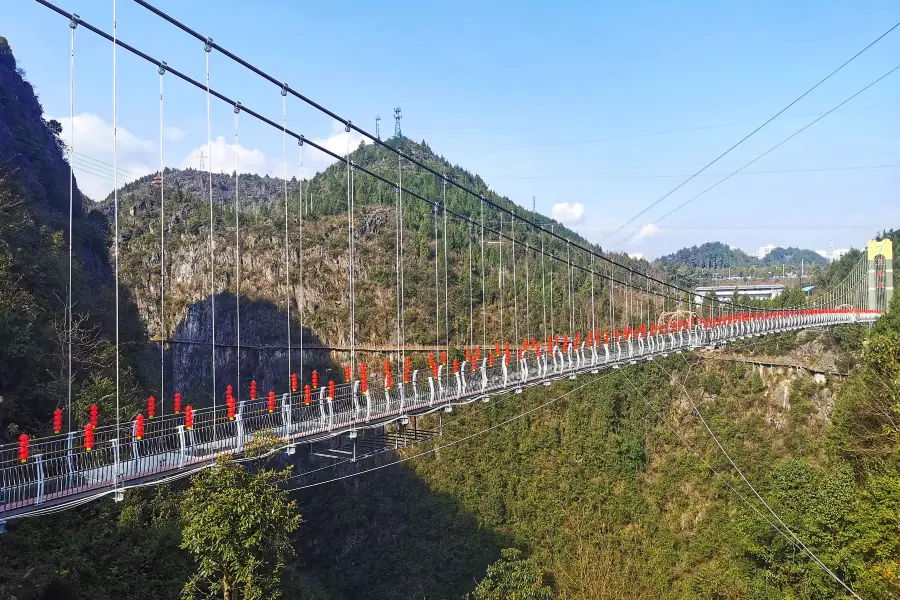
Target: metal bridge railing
{"points": [[61, 468]]}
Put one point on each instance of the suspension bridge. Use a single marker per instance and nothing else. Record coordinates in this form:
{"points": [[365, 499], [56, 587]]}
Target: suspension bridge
{"points": [[640, 317]]}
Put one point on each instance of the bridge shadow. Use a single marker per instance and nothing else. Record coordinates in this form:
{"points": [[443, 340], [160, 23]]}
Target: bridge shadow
{"points": [[263, 351], [397, 538]]}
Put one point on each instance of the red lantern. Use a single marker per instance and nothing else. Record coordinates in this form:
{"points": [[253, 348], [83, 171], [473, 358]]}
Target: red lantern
{"points": [[491, 360], [230, 402], [253, 390], [434, 370], [444, 357], [88, 437], [456, 365], [229, 391], [93, 418], [293, 382], [307, 394], [23, 448], [331, 390], [468, 355], [139, 427], [388, 380], [57, 420], [347, 373], [188, 417], [151, 407], [315, 379], [177, 402], [406, 369], [271, 402], [364, 378]]}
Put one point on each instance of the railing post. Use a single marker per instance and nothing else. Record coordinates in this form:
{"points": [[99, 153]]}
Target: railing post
{"points": [[39, 466], [180, 429], [239, 434], [117, 495], [70, 469], [286, 415], [415, 387], [322, 408], [430, 391], [330, 403], [134, 445], [484, 380]]}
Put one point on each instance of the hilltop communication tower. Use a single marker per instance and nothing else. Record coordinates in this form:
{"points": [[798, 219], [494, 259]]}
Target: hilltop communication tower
{"points": [[378, 126], [397, 117]]}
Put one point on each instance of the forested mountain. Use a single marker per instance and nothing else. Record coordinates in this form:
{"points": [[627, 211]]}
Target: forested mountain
{"points": [[34, 210], [708, 256], [716, 255], [604, 487]]}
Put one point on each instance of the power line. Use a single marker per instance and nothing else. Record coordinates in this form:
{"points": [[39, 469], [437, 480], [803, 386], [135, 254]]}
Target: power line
{"points": [[674, 176], [773, 148], [749, 135], [633, 136]]}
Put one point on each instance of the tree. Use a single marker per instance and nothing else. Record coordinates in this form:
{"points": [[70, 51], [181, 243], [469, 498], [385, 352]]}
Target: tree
{"points": [[237, 524], [512, 578]]}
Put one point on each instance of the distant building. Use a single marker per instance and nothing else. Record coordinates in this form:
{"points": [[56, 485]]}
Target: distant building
{"points": [[823, 253], [837, 254], [726, 292], [763, 251], [636, 256], [808, 290]]}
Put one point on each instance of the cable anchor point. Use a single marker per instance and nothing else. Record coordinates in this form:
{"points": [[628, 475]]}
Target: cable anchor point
{"points": [[207, 45], [237, 108], [300, 140], [74, 20], [163, 67], [347, 126], [284, 89]]}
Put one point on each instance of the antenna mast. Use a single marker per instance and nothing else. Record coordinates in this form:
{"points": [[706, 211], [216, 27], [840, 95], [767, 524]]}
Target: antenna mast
{"points": [[378, 126], [397, 133]]}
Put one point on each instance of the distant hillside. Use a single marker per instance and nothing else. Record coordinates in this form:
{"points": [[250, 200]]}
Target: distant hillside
{"points": [[718, 255], [709, 255], [793, 256]]}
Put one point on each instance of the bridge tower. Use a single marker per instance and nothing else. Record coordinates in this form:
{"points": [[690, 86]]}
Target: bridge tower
{"points": [[397, 133], [880, 256]]}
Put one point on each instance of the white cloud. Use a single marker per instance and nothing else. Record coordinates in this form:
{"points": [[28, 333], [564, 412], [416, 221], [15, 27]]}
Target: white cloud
{"points": [[648, 230], [220, 158], [568, 214], [173, 134], [315, 161], [92, 154]]}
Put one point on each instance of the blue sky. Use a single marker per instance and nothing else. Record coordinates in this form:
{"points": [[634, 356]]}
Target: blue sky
{"points": [[597, 111]]}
